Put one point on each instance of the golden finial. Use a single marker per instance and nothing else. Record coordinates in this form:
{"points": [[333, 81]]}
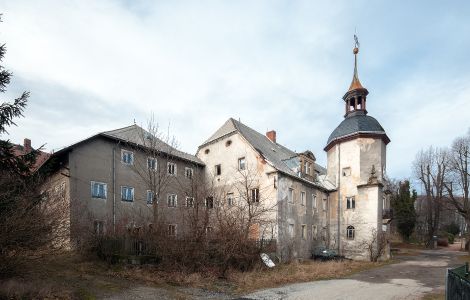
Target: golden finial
{"points": [[355, 84]]}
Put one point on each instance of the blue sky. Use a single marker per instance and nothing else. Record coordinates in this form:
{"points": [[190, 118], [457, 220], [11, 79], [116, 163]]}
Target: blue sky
{"points": [[98, 65]]}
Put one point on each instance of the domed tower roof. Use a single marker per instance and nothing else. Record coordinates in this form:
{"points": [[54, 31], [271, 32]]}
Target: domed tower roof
{"points": [[356, 123]]}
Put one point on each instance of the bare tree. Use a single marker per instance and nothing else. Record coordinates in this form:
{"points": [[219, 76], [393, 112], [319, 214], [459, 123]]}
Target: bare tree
{"points": [[375, 245], [457, 184], [430, 167]]}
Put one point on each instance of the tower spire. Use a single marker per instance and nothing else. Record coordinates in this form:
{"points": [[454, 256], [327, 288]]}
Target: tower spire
{"points": [[355, 84], [355, 97]]}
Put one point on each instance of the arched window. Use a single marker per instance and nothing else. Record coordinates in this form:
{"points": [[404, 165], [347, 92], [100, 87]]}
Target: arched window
{"points": [[351, 104], [350, 231]]}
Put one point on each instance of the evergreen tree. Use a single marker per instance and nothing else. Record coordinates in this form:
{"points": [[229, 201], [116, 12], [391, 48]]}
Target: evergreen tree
{"points": [[404, 210]]}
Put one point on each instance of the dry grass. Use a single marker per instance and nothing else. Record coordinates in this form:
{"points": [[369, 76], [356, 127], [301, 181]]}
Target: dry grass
{"points": [[73, 277], [434, 296]]}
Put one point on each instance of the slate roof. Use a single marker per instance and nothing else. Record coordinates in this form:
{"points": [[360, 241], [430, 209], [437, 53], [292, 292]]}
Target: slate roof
{"points": [[280, 157], [357, 122], [136, 135]]}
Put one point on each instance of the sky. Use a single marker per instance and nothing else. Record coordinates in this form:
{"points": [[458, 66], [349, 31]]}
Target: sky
{"points": [[93, 66]]}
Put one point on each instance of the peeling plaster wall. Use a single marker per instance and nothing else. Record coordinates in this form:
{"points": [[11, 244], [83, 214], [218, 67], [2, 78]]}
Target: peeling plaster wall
{"points": [[291, 244], [359, 155]]}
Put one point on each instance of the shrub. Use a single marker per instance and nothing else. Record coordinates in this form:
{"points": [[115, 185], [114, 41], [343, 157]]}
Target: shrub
{"points": [[450, 238]]}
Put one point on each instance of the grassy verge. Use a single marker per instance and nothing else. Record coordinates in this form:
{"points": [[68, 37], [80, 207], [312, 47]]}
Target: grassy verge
{"points": [[74, 277]]}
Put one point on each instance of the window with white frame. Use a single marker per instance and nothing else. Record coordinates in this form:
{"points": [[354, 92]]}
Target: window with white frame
{"points": [[314, 201], [188, 173], [304, 231], [350, 232], [189, 201], [230, 199], [254, 195], [171, 167], [151, 163], [209, 202], [241, 163], [98, 227], [350, 203], [127, 157], [171, 200], [291, 230], [150, 197], [172, 229], [127, 193], [98, 190], [290, 195], [303, 195]]}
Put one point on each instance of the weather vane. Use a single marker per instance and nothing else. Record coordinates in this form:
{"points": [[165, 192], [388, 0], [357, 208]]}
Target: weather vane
{"points": [[356, 44]]}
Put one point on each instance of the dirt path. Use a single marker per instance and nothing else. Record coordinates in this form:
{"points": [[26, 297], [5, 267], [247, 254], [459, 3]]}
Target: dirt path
{"points": [[410, 278]]}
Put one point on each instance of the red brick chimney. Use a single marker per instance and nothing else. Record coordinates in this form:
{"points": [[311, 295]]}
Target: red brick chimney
{"points": [[27, 145], [271, 135]]}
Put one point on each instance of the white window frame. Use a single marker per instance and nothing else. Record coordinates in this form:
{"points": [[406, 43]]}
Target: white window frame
{"points": [[241, 163], [351, 203], [173, 199], [189, 171], [188, 202], [303, 231], [290, 195], [303, 198], [230, 199], [98, 227], [154, 160], [291, 230], [125, 152], [175, 171], [92, 183], [254, 195], [150, 196], [350, 232], [173, 232], [132, 193]]}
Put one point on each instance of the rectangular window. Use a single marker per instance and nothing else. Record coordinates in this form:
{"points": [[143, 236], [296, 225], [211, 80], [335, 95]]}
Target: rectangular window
{"points": [[291, 230], [98, 227], [324, 204], [255, 195], [314, 201], [189, 201], [149, 197], [209, 202], [171, 169], [127, 157], [304, 232], [230, 199], [208, 230], [151, 163], [98, 190], [218, 170], [290, 196], [127, 193], [171, 229], [350, 203], [188, 173], [171, 200], [241, 163], [314, 232], [347, 171], [302, 198]]}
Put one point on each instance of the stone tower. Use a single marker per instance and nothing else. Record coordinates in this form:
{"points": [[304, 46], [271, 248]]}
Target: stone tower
{"points": [[356, 152]]}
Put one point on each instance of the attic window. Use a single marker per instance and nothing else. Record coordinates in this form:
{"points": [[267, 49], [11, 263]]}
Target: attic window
{"points": [[228, 143], [207, 151]]}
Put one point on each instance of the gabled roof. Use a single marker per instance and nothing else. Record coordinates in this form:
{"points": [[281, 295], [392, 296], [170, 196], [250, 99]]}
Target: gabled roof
{"points": [[136, 135], [280, 157], [20, 150]]}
